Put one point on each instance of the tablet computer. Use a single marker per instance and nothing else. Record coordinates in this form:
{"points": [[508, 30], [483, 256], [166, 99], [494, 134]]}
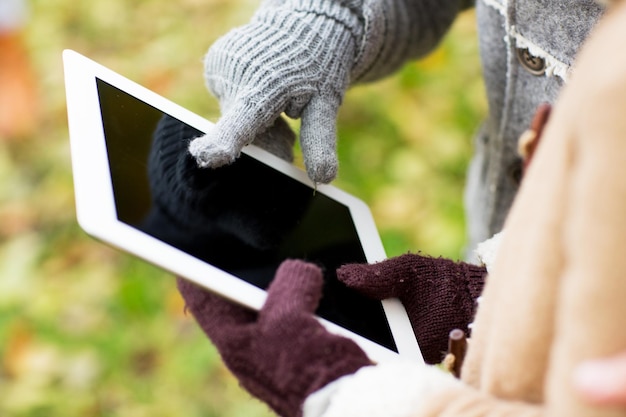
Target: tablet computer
{"points": [[227, 229]]}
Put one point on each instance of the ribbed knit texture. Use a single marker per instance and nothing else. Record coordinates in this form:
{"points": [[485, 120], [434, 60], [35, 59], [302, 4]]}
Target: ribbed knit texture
{"points": [[438, 294], [180, 187], [399, 30], [293, 57], [298, 57], [177, 184]]}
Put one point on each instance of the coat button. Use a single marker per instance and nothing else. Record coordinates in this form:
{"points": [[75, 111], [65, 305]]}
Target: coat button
{"points": [[533, 64]]}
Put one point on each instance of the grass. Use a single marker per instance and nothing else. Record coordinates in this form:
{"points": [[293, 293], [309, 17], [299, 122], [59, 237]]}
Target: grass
{"points": [[88, 331]]}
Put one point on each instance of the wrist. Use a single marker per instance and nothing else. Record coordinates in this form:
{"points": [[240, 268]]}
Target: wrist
{"points": [[304, 45], [331, 19], [308, 11], [468, 276], [338, 11], [474, 279]]}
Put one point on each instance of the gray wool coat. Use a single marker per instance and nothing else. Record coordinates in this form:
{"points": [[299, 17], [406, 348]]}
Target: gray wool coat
{"points": [[527, 49]]}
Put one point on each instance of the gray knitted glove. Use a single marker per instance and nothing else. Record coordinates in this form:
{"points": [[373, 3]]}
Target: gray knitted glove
{"points": [[298, 57], [294, 57]]}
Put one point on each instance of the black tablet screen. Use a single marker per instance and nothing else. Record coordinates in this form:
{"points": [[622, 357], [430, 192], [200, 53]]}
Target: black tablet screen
{"points": [[245, 218]]}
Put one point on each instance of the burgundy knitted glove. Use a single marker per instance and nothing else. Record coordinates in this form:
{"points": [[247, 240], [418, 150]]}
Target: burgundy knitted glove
{"points": [[282, 354], [438, 294]]}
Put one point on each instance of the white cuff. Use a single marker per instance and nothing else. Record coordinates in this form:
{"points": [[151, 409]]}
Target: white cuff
{"points": [[392, 389], [486, 251]]}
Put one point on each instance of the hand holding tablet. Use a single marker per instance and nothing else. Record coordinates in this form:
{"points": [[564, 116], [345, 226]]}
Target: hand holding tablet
{"points": [[282, 354], [228, 229]]}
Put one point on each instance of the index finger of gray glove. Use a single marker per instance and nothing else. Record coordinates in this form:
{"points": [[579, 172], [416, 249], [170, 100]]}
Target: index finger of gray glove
{"points": [[237, 127], [318, 137]]}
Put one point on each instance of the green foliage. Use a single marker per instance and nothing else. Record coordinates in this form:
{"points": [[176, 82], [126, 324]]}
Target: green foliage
{"points": [[88, 331]]}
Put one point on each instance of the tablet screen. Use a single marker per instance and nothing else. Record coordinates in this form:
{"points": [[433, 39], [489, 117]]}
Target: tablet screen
{"points": [[245, 218]]}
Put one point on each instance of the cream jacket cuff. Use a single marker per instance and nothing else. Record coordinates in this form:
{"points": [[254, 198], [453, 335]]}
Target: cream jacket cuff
{"points": [[393, 389]]}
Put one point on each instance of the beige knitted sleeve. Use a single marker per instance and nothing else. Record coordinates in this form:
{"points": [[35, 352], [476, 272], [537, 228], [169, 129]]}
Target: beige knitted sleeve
{"points": [[585, 138], [592, 301]]}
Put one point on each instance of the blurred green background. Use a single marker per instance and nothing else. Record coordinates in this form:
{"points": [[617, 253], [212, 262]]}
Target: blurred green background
{"points": [[88, 331]]}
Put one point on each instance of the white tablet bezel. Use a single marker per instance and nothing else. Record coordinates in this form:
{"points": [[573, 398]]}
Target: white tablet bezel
{"points": [[96, 213]]}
